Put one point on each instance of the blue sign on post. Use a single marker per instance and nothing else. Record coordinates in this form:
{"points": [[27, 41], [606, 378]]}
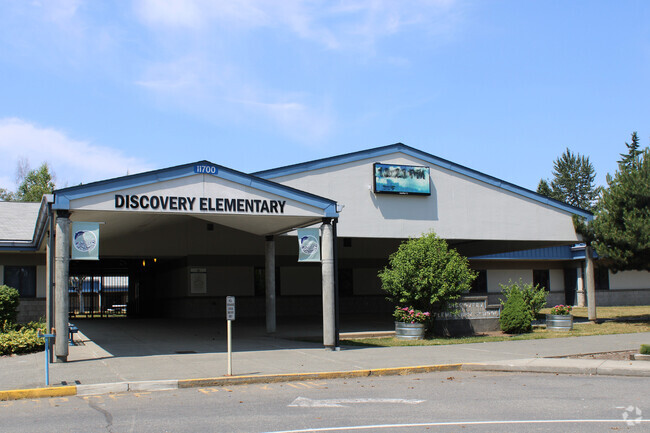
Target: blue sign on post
{"points": [[47, 355]]}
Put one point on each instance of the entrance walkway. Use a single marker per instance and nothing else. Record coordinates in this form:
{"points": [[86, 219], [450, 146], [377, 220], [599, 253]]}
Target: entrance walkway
{"points": [[139, 350]]}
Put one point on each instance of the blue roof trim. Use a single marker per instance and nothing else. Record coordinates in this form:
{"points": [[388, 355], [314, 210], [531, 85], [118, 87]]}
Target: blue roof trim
{"points": [[65, 195], [432, 159], [565, 252]]}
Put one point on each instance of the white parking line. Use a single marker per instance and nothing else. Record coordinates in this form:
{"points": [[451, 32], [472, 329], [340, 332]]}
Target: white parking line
{"points": [[460, 423], [340, 402]]}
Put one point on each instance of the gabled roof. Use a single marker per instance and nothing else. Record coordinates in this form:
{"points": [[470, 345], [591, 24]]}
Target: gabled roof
{"points": [[378, 152], [63, 196], [22, 225]]}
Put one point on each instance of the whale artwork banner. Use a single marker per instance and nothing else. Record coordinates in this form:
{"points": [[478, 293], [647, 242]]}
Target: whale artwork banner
{"points": [[84, 244], [308, 245]]}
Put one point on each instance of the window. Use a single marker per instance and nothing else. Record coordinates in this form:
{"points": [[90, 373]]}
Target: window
{"points": [[541, 277], [601, 278], [23, 279], [479, 285]]}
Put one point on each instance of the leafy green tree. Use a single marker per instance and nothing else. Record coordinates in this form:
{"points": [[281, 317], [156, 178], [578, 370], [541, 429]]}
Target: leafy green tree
{"points": [[573, 181], [6, 195], [621, 227], [35, 184], [9, 299], [426, 274]]}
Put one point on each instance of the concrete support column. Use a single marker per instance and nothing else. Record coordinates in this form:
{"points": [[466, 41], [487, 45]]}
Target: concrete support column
{"points": [[62, 272], [581, 289], [329, 295], [269, 272], [590, 282], [49, 279]]}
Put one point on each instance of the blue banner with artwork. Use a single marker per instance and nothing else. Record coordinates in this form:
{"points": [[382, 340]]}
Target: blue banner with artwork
{"points": [[85, 241], [309, 245]]}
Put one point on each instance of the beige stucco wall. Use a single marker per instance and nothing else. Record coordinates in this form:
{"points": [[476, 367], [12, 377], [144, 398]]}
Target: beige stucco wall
{"points": [[629, 280], [556, 280], [503, 276], [459, 207]]}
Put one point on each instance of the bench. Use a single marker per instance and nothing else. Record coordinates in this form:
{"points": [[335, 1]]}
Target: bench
{"points": [[72, 329]]}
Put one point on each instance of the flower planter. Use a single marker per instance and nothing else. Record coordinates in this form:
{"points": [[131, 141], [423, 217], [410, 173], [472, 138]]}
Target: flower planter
{"points": [[559, 322], [409, 331]]}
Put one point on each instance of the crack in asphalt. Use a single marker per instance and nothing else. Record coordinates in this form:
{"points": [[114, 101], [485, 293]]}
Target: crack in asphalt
{"points": [[107, 414]]}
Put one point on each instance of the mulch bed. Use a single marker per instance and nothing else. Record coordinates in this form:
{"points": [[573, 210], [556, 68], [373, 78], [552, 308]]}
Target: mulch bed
{"points": [[619, 355]]}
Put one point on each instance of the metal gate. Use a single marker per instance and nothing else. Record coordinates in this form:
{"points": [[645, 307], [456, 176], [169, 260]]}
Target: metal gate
{"points": [[98, 295]]}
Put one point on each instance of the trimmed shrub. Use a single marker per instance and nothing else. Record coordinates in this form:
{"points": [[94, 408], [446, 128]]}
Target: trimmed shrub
{"points": [[534, 296], [645, 349], [21, 341], [516, 317], [8, 305], [427, 275]]}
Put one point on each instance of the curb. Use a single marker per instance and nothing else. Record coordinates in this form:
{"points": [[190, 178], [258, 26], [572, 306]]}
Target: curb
{"points": [[164, 385], [275, 378], [535, 365], [17, 394], [553, 366]]}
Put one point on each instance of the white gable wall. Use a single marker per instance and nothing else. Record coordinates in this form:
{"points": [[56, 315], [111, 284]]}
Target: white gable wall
{"points": [[197, 187], [459, 207]]}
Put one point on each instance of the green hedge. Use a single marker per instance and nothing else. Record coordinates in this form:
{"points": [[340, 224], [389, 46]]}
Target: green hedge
{"points": [[516, 317], [22, 339], [645, 349], [8, 304]]}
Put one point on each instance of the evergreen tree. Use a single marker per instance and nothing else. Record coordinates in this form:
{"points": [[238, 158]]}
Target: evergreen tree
{"points": [[35, 184], [631, 158], [573, 181], [544, 189], [621, 227]]}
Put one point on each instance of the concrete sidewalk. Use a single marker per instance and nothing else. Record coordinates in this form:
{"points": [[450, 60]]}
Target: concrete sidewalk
{"points": [[115, 356]]}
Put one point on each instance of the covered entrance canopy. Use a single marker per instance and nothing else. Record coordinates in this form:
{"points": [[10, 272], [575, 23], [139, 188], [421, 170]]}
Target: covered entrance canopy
{"points": [[170, 213]]}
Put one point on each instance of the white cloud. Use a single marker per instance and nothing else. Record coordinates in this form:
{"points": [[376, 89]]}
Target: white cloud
{"points": [[351, 24], [73, 161], [202, 74], [297, 120]]}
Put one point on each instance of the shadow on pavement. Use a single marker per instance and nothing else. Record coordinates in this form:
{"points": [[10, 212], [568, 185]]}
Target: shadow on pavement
{"points": [[127, 337]]}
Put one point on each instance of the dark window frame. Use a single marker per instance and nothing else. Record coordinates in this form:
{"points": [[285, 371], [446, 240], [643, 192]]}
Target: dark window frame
{"points": [[601, 278], [543, 278], [26, 277], [479, 285]]}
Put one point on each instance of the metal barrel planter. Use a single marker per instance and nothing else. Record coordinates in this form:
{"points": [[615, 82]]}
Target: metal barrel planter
{"points": [[559, 322], [409, 331]]}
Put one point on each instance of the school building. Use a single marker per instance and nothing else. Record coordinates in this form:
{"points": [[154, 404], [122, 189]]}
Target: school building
{"points": [[175, 242]]}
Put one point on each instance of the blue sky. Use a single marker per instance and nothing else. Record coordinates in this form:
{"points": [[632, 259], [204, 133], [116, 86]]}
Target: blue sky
{"points": [[99, 88]]}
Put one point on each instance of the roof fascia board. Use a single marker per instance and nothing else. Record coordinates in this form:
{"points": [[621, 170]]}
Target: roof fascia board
{"points": [[64, 196], [567, 252], [432, 159]]}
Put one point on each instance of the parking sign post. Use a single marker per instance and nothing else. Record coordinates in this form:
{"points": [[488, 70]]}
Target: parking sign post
{"points": [[230, 316]]}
